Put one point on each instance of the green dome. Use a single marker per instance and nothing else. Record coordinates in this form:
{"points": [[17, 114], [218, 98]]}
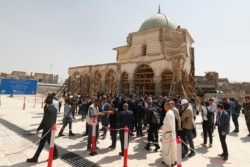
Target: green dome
{"points": [[158, 20]]}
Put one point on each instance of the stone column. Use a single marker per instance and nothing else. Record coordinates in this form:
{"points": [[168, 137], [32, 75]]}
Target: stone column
{"points": [[131, 86], [118, 85], [118, 79], [158, 86], [103, 89], [90, 85]]}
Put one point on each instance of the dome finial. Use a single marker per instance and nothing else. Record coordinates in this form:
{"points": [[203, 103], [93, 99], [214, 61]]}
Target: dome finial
{"points": [[159, 9]]}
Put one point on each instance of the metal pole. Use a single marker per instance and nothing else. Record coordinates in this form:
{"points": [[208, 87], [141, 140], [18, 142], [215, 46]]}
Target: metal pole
{"points": [[50, 76]]}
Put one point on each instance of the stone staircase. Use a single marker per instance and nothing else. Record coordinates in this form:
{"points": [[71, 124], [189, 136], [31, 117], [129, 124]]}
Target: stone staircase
{"points": [[63, 88]]}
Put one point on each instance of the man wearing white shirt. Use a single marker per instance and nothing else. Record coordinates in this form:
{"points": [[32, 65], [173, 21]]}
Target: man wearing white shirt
{"points": [[55, 102], [213, 107], [206, 125]]}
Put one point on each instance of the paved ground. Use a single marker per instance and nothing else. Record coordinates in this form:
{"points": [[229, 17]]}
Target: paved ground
{"points": [[17, 127]]}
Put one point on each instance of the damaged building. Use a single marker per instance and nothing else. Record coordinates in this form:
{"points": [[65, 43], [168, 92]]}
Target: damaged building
{"points": [[158, 59]]}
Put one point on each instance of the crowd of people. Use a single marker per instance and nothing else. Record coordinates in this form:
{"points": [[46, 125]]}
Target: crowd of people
{"points": [[146, 115]]}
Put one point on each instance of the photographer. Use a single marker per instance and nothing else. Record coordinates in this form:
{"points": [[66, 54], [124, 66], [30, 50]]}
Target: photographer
{"points": [[68, 117]]}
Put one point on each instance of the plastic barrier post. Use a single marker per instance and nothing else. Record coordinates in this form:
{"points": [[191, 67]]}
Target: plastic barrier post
{"points": [[179, 153], [125, 151], [24, 99], [93, 140], [42, 103], [51, 147]]}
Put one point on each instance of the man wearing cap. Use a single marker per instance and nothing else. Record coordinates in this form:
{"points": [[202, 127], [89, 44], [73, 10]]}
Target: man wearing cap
{"points": [[187, 124], [222, 122], [246, 107]]}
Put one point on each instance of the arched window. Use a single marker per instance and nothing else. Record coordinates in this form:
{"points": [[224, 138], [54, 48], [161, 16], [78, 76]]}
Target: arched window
{"points": [[166, 81], [144, 80], [76, 82], [86, 81], [110, 82], [144, 50], [124, 83], [97, 84]]}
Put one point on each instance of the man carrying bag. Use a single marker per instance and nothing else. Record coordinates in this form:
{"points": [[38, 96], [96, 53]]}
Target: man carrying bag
{"points": [[68, 118]]}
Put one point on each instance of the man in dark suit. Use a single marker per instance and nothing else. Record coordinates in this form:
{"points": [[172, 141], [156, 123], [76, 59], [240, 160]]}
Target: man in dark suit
{"points": [[126, 118], [104, 119], [49, 119], [153, 126], [114, 124], [223, 128]]}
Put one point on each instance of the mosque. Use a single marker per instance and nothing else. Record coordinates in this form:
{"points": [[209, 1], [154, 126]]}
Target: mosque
{"points": [[158, 59]]}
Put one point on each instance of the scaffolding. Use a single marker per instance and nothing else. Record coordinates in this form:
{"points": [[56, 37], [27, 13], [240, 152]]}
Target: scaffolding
{"points": [[144, 80]]}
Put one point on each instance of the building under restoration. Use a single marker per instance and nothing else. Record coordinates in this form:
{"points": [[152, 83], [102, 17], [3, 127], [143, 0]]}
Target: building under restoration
{"points": [[158, 59]]}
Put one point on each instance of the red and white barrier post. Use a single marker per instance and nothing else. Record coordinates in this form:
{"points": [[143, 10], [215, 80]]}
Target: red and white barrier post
{"points": [[24, 100], [179, 152], [93, 140], [42, 103], [125, 151], [51, 147]]}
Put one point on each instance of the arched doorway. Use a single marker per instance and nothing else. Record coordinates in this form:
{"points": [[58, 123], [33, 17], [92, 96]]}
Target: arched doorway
{"points": [[166, 81], [86, 81], [110, 82], [97, 84], [75, 82], [124, 83], [144, 80]]}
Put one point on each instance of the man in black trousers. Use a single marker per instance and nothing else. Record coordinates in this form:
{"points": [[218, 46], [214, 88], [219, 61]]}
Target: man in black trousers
{"points": [[126, 118], [114, 124], [154, 123], [223, 128], [49, 119]]}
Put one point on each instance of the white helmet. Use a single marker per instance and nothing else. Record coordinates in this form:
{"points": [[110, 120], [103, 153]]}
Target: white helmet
{"points": [[184, 101]]}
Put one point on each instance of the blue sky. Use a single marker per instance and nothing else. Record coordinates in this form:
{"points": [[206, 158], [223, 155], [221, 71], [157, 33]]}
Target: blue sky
{"points": [[36, 35]]}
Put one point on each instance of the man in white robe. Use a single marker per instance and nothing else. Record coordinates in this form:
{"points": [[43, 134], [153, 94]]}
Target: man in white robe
{"points": [[169, 147]]}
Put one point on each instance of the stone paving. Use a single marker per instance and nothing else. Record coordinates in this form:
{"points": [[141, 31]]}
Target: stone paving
{"points": [[15, 148]]}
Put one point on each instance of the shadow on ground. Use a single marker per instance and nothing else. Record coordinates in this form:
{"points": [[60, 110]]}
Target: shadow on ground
{"points": [[108, 159], [22, 164], [245, 139], [216, 162]]}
